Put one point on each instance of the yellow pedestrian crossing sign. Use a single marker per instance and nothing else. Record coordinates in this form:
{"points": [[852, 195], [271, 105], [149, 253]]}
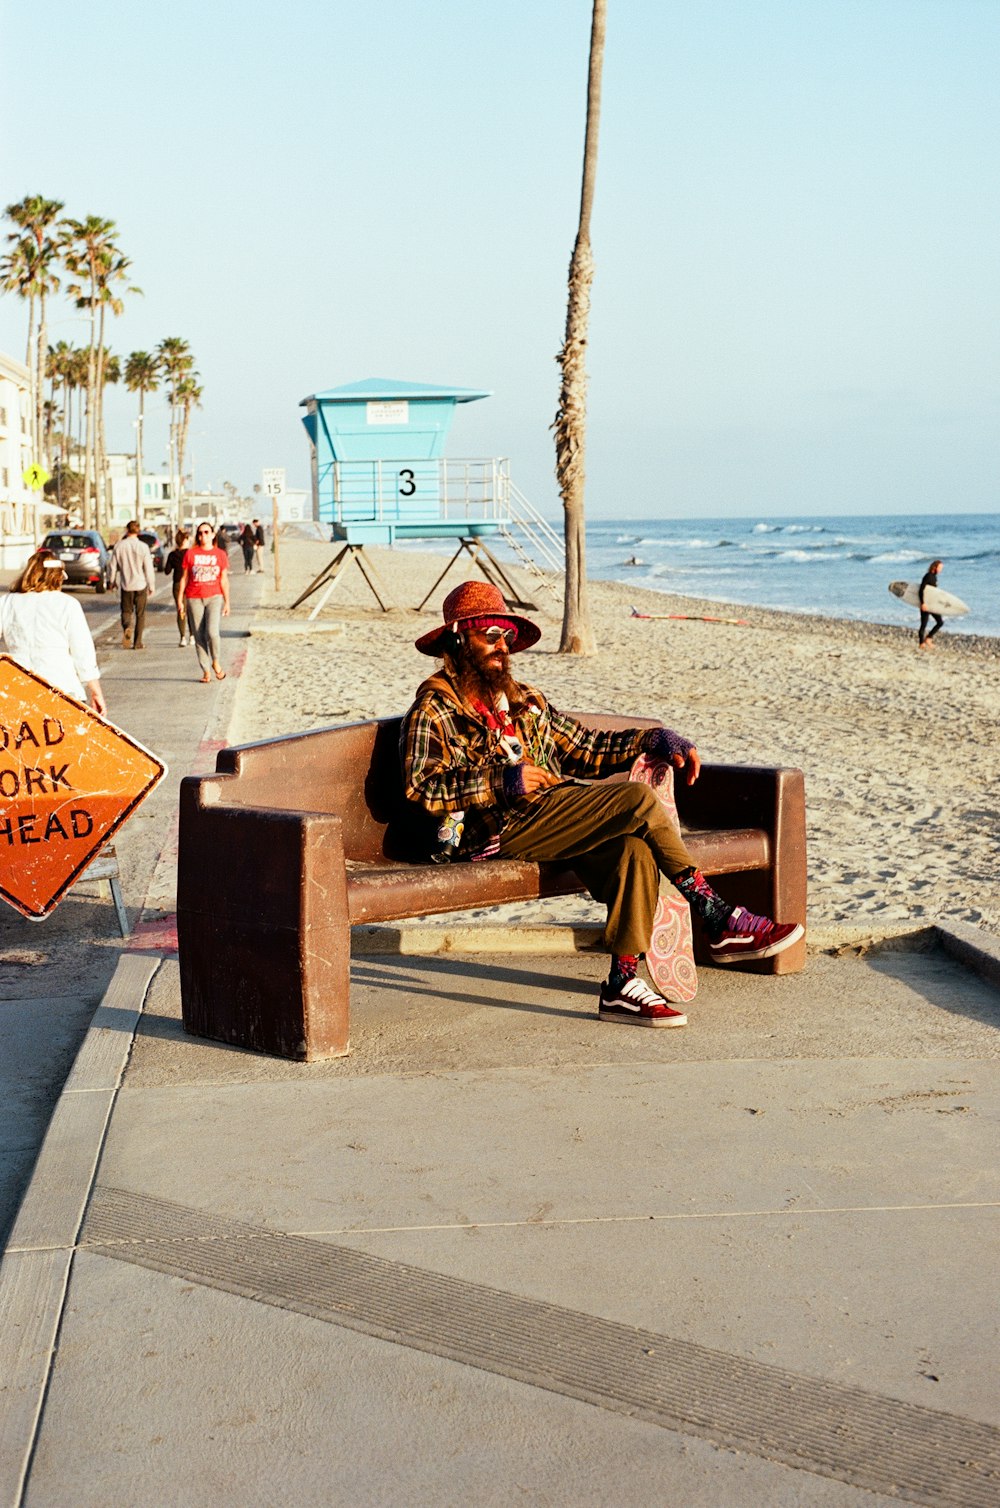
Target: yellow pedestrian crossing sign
{"points": [[35, 476]]}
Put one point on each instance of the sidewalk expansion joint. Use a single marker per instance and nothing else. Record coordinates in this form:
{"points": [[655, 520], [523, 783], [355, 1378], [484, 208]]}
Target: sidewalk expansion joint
{"points": [[835, 1430], [792, 1212]]}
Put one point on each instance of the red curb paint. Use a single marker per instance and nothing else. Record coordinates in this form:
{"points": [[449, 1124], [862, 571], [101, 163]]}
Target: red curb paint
{"points": [[157, 935]]}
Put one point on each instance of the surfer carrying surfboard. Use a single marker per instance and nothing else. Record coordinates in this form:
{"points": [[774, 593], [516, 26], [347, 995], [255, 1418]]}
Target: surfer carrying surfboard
{"points": [[924, 636], [504, 775]]}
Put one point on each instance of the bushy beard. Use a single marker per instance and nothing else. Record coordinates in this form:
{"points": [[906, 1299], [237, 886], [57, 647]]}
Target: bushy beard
{"points": [[479, 681]]}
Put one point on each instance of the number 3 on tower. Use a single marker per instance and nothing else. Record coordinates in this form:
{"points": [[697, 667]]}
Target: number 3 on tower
{"points": [[408, 486]]}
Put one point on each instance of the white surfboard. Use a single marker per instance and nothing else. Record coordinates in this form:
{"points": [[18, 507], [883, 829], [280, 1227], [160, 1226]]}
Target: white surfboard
{"points": [[935, 600]]}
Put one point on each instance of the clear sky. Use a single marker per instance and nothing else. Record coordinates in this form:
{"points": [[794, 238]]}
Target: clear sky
{"points": [[796, 229]]}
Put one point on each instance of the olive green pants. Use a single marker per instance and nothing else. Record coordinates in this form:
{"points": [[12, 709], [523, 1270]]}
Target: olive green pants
{"points": [[618, 839]]}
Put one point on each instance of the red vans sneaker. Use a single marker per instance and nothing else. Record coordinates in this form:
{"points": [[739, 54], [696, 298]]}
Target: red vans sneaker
{"points": [[636, 1003], [748, 937]]}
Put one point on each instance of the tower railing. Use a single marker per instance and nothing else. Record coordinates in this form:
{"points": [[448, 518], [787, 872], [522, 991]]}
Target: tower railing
{"points": [[452, 490]]}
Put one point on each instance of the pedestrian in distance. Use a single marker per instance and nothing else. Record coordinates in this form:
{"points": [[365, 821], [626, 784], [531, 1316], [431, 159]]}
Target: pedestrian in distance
{"points": [[174, 566], [205, 588], [506, 775], [248, 543], [48, 633], [925, 637], [258, 543], [132, 566]]}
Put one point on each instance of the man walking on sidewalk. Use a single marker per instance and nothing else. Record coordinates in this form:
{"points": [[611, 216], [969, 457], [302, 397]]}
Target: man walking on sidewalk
{"points": [[132, 566], [258, 543]]}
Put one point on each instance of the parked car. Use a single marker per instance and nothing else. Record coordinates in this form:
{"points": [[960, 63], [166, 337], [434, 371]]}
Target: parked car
{"points": [[231, 533], [84, 555], [155, 546]]}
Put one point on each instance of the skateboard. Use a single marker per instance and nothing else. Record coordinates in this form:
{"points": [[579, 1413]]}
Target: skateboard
{"points": [[670, 958]]}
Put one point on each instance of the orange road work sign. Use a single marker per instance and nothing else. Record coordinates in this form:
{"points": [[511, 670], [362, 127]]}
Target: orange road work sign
{"points": [[68, 780]]}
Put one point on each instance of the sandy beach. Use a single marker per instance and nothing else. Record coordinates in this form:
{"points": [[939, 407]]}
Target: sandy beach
{"points": [[899, 747]]}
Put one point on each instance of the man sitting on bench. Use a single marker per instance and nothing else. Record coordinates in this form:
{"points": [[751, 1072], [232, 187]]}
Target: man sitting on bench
{"points": [[508, 776]]}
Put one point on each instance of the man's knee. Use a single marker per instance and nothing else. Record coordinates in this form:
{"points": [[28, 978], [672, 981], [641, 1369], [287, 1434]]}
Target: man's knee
{"points": [[638, 800], [654, 829]]}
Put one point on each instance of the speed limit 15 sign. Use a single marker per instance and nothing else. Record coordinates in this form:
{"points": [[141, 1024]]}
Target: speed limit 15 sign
{"points": [[274, 482]]}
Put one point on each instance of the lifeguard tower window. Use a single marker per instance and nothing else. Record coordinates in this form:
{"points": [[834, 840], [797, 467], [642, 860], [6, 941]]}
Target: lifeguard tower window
{"points": [[379, 475]]}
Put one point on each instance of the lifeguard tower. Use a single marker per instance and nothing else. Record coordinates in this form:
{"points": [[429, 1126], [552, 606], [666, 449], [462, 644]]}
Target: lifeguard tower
{"points": [[379, 474]]}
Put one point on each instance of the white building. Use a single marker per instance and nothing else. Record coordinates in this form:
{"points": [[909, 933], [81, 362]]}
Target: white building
{"points": [[17, 502], [156, 506]]}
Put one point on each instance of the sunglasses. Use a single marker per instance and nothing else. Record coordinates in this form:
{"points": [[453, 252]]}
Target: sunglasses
{"points": [[204, 531], [494, 635]]}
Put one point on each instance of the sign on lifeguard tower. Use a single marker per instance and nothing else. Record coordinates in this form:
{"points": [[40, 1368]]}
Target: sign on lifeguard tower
{"points": [[68, 780]]}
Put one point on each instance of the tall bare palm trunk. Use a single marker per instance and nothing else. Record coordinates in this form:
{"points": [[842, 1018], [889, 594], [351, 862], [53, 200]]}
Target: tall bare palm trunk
{"points": [[41, 426], [66, 394], [172, 453], [571, 417], [183, 421], [88, 453], [31, 363], [100, 463], [138, 454]]}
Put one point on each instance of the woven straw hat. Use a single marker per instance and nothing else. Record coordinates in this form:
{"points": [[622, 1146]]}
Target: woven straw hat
{"points": [[477, 599]]}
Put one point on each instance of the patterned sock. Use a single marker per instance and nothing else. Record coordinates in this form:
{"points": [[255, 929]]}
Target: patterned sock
{"points": [[704, 901], [623, 968]]}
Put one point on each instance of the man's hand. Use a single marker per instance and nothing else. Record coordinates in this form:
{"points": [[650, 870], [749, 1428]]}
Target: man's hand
{"points": [[534, 778], [691, 763], [664, 743]]}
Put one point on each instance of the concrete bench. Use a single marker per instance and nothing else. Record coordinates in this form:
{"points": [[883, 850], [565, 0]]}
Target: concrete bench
{"points": [[295, 840]]}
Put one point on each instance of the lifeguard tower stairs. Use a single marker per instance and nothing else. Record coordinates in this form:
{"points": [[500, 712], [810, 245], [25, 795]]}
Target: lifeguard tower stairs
{"points": [[379, 474]]}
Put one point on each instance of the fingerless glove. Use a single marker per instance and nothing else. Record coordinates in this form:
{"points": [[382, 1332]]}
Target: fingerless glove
{"points": [[513, 781], [663, 743]]}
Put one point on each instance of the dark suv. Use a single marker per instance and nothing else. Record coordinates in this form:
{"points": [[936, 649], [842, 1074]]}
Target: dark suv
{"points": [[84, 556], [155, 547]]}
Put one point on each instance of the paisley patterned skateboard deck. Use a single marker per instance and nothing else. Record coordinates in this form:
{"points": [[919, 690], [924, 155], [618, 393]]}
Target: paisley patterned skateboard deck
{"points": [[670, 959]]}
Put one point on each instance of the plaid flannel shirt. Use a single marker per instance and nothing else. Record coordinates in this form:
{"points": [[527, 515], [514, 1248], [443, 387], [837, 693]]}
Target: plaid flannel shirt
{"points": [[453, 762]]}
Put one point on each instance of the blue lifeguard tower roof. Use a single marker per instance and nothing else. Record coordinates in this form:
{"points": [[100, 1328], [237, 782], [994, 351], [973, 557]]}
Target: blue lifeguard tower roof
{"points": [[384, 389]]}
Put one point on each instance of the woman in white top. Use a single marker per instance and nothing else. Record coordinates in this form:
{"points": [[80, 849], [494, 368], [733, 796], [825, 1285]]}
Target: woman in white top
{"points": [[48, 633]]}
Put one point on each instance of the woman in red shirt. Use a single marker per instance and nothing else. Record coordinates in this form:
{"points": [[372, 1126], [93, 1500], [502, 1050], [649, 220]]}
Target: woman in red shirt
{"points": [[205, 587]]}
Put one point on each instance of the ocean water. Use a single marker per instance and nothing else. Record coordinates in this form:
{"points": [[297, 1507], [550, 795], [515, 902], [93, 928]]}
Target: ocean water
{"points": [[839, 567]]}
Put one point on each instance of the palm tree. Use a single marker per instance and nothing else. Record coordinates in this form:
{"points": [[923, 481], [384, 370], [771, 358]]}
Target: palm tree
{"points": [[90, 253], [114, 269], [110, 371], [58, 369], [188, 397], [18, 275], [36, 216], [52, 415], [85, 252], [142, 376], [571, 416], [176, 362], [74, 381]]}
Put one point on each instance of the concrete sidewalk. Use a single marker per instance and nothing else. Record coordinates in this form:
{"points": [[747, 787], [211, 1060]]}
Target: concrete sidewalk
{"points": [[502, 1252], [505, 1252], [54, 973]]}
